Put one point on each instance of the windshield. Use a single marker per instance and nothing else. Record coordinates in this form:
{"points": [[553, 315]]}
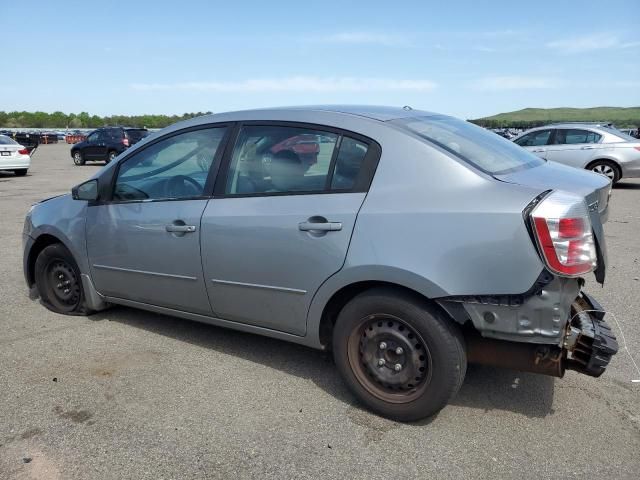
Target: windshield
{"points": [[479, 147], [4, 140]]}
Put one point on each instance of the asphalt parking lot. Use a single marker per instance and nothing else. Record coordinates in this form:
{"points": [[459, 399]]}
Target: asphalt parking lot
{"points": [[131, 394]]}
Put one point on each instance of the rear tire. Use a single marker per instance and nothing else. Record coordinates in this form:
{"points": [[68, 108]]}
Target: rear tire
{"points": [[21, 172], [607, 168], [111, 156], [78, 159], [58, 281], [399, 355]]}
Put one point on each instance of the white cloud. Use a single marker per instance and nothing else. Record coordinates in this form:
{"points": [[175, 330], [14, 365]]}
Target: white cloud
{"points": [[295, 84], [515, 82], [587, 43], [365, 38]]}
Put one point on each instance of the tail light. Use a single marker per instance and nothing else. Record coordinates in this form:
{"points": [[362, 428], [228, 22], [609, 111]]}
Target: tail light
{"points": [[23, 151], [564, 235], [125, 142]]}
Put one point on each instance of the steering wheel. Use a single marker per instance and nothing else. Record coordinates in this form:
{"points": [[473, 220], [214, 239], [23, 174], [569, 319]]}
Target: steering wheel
{"points": [[175, 187]]}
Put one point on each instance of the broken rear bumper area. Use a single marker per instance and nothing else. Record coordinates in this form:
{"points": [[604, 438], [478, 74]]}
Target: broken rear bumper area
{"points": [[587, 347], [590, 342]]}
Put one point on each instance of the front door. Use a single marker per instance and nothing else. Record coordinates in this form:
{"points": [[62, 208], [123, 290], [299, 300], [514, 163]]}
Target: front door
{"points": [[144, 245], [283, 223], [536, 142]]}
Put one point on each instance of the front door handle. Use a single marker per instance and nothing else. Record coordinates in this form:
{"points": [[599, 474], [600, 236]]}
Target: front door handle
{"points": [[538, 150], [588, 147], [320, 226], [180, 228]]}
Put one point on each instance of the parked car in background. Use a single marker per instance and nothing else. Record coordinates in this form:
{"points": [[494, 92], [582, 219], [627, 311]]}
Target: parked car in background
{"points": [[105, 144], [13, 156], [415, 244], [600, 148]]}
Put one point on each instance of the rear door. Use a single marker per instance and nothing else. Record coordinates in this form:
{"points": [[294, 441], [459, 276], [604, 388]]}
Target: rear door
{"points": [[574, 147], [281, 221], [144, 244], [536, 142]]}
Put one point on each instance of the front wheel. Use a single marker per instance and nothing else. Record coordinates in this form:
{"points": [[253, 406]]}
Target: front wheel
{"points": [[58, 281], [78, 159], [606, 168], [400, 356]]}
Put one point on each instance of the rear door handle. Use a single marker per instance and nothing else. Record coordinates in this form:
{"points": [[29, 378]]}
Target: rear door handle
{"points": [[587, 147], [180, 228], [320, 227]]}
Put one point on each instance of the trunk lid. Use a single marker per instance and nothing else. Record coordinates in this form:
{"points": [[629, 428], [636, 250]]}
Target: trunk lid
{"points": [[593, 187], [11, 149]]}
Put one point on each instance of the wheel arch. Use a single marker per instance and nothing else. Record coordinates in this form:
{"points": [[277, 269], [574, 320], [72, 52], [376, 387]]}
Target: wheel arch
{"points": [[615, 163], [336, 292], [40, 243]]}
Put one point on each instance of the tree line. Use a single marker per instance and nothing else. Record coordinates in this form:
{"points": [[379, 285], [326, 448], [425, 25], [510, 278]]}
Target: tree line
{"points": [[60, 120]]}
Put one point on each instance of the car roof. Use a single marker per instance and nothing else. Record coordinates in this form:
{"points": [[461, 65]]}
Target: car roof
{"points": [[581, 124], [374, 112]]}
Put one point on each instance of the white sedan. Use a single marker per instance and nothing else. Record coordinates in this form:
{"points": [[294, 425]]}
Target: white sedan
{"points": [[14, 156]]}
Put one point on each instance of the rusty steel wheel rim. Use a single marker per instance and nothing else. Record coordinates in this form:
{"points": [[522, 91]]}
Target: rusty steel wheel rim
{"points": [[389, 358], [63, 285]]}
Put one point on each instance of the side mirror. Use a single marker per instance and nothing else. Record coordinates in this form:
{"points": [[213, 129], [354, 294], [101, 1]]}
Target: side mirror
{"points": [[86, 191]]}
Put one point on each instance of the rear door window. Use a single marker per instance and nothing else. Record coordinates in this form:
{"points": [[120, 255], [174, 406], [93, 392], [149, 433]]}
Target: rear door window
{"points": [[275, 159], [567, 136]]}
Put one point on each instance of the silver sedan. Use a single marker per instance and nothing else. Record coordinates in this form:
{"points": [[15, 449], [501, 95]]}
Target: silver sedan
{"points": [[408, 243], [597, 147]]}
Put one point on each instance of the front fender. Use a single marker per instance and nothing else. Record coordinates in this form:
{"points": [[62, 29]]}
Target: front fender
{"points": [[65, 219]]}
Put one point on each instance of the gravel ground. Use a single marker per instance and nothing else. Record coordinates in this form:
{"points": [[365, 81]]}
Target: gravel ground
{"points": [[130, 394]]}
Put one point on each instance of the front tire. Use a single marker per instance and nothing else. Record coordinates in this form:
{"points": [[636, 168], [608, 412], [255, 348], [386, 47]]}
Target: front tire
{"points": [[78, 159], [606, 168], [58, 281], [21, 172], [399, 355]]}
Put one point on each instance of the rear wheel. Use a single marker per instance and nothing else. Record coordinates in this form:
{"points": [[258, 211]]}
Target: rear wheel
{"points": [[78, 159], [111, 156], [398, 354], [21, 172], [606, 168], [58, 281]]}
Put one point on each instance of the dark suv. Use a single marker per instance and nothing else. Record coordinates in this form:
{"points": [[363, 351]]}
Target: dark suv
{"points": [[106, 144]]}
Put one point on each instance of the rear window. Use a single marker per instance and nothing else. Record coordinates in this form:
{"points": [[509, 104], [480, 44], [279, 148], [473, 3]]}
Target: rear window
{"points": [[4, 140], [137, 135], [622, 135], [479, 147]]}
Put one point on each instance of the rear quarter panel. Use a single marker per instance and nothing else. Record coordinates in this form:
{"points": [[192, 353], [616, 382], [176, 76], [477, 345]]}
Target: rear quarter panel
{"points": [[432, 224]]}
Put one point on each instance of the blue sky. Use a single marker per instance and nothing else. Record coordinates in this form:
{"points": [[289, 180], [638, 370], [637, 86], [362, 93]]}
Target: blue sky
{"points": [[467, 59]]}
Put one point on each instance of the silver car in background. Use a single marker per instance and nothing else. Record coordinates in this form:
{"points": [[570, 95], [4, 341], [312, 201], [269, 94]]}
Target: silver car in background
{"points": [[596, 147], [408, 243]]}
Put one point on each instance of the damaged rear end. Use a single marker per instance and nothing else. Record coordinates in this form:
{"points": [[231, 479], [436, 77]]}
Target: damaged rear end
{"points": [[554, 326]]}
